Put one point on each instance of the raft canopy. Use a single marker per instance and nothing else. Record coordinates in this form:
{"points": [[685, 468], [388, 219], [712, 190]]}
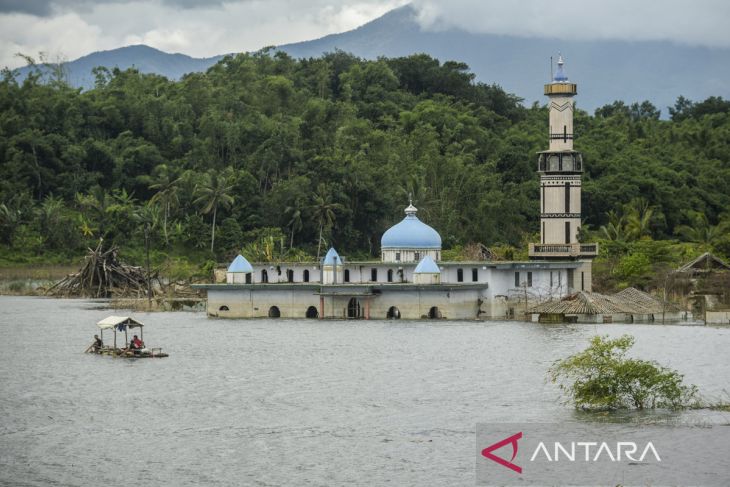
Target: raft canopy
{"points": [[115, 321]]}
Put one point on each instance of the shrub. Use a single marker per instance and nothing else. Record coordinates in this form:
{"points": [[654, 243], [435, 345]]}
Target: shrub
{"points": [[601, 377]]}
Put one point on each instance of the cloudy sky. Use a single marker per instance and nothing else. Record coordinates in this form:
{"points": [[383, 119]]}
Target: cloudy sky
{"points": [[68, 29]]}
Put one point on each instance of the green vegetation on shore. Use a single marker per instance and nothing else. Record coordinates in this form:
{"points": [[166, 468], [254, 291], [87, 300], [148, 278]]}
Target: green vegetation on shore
{"points": [[282, 157]]}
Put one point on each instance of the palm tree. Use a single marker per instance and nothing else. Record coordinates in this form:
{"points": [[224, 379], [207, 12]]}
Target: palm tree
{"points": [[295, 222], [323, 210], [701, 231], [214, 191], [638, 218], [50, 214], [9, 220], [167, 186], [614, 230]]}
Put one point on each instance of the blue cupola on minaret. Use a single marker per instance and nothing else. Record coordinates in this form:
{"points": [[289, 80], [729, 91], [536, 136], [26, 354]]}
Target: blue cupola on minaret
{"points": [[560, 76]]}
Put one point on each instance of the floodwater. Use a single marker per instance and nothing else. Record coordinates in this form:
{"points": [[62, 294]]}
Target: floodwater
{"points": [[292, 402]]}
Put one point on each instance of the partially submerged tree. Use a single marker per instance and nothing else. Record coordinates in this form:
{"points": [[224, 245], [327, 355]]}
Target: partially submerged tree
{"points": [[602, 377]]}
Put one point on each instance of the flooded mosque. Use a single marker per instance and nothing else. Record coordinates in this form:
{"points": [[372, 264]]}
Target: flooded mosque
{"points": [[411, 281]]}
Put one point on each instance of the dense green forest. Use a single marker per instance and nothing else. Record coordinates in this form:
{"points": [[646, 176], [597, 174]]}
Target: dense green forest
{"points": [[283, 157]]}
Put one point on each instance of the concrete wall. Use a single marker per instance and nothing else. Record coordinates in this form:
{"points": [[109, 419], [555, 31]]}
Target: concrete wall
{"points": [[408, 255], [717, 318], [561, 118], [293, 303]]}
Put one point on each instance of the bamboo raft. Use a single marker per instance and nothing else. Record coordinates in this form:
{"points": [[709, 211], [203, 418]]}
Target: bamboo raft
{"points": [[123, 323]]}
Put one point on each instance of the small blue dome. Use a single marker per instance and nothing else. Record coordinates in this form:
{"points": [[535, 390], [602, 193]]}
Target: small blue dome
{"points": [[427, 266], [411, 233], [560, 75], [332, 258], [240, 264]]}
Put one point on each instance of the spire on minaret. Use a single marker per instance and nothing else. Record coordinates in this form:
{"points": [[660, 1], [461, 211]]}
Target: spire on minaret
{"points": [[560, 76]]}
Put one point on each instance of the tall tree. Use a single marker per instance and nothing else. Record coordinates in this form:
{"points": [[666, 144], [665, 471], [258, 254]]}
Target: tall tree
{"points": [[166, 183], [213, 192], [323, 211]]}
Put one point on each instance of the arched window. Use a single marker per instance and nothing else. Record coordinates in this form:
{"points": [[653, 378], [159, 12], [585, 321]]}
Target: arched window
{"points": [[353, 308], [374, 274], [312, 312], [264, 276], [274, 312], [223, 308], [290, 275], [460, 275], [347, 275], [305, 275], [390, 275], [393, 313]]}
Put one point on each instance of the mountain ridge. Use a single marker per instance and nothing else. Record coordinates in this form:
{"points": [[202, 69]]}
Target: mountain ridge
{"points": [[608, 70]]}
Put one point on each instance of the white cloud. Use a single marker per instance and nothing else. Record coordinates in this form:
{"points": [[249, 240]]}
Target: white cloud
{"points": [[699, 22], [78, 27], [62, 36], [207, 30]]}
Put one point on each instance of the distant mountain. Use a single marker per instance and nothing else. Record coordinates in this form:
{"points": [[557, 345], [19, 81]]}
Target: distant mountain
{"points": [[144, 58], [604, 70]]}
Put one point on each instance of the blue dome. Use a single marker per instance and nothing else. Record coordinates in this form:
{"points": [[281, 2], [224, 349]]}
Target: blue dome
{"points": [[332, 258], [560, 75], [240, 264], [411, 233], [427, 266]]}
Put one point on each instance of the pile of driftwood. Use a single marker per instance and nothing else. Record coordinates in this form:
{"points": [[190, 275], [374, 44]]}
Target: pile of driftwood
{"points": [[103, 275]]}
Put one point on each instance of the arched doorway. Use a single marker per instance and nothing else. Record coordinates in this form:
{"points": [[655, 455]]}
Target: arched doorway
{"points": [[290, 275], [434, 313], [305, 275], [274, 312], [393, 313], [353, 308], [264, 276], [312, 312], [390, 275]]}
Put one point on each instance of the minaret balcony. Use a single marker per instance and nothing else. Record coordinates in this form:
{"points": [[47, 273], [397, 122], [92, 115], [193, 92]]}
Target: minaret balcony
{"points": [[560, 88], [560, 162], [571, 250]]}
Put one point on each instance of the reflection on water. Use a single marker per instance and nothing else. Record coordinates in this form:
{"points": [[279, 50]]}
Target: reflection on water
{"points": [[308, 402]]}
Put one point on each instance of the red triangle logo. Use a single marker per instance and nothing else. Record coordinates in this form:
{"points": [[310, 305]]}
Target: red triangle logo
{"points": [[487, 452]]}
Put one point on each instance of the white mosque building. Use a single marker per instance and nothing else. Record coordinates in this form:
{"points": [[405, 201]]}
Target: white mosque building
{"points": [[411, 281]]}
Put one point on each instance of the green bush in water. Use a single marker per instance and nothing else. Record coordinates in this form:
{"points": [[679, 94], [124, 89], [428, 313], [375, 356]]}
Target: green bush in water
{"points": [[602, 377]]}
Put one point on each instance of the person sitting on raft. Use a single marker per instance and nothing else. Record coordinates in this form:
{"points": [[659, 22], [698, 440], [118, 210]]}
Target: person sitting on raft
{"points": [[98, 344], [136, 343]]}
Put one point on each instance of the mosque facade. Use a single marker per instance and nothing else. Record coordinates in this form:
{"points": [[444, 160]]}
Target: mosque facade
{"points": [[411, 281]]}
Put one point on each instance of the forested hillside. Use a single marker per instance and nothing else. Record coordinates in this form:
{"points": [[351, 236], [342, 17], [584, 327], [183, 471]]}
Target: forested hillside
{"points": [[278, 155]]}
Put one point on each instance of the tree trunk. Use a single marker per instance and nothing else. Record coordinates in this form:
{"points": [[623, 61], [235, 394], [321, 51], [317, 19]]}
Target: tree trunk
{"points": [[319, 244], [212, 233], [164, 222]]}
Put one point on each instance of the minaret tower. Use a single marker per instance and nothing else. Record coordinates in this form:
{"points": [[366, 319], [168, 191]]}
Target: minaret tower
{"points": [[560, 168]]}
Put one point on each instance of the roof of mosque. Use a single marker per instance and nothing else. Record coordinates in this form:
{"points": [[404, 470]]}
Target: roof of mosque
{"points": [[427, 266], [332, 258], [240, 264], [410, 233]]}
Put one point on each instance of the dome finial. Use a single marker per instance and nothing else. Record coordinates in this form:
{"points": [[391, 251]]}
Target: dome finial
{"points": [[411, 210]]}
